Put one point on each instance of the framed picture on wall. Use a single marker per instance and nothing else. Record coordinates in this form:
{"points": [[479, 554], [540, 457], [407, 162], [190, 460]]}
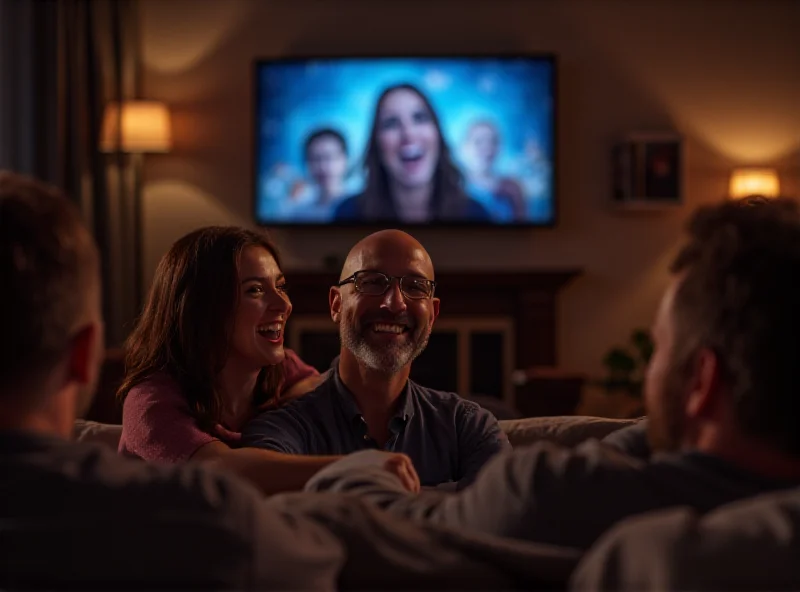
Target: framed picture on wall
{"points": [[648, 170]]}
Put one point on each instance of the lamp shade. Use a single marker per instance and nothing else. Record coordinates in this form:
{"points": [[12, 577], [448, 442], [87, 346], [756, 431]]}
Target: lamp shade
{"points": [[141, 126], [747, 182]]}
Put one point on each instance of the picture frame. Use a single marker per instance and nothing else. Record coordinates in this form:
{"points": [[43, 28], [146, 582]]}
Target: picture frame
{"points": [[648, 170]]}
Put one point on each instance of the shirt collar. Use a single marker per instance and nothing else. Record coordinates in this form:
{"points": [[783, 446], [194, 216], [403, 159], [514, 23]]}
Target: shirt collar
{"points": [[405, 408]]}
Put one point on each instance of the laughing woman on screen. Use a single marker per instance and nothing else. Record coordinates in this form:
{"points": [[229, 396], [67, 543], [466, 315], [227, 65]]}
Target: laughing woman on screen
{"points": [[410, 174], [207, 354]]}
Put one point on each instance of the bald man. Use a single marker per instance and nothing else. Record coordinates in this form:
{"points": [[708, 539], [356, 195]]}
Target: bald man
{"points": [[385, 307]]}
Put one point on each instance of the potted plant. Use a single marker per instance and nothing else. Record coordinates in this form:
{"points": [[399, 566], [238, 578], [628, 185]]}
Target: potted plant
{"points": [[625, 366]]}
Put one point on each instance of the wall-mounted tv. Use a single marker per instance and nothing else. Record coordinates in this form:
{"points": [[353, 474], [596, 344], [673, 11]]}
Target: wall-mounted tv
{"points": [[406, 141]]}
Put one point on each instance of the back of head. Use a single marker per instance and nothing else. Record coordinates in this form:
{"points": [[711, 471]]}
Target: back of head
{"points": [[48, 272], [739, 296]]}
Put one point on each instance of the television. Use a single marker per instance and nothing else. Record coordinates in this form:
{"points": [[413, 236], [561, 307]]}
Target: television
{"points": [[466, 140]]}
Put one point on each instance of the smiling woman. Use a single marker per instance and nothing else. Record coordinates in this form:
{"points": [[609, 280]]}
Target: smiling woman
{"points": [[207, 354], [410, 172], [257, 336]]}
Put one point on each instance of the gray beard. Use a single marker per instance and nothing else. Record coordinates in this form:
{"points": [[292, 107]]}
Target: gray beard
{"points": [[386, 360]]}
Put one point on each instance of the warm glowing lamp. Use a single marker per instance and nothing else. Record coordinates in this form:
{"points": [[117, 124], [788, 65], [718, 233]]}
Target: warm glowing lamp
{"points": [[141, 126], [136, 128], [747, 182]]}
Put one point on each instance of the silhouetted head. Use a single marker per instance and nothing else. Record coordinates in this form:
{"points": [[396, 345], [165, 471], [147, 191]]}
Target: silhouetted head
{"points": [[50, 302], [727, 353]]}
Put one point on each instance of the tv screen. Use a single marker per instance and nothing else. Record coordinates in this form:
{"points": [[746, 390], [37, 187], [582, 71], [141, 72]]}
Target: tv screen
{"points": [[434, 140]]}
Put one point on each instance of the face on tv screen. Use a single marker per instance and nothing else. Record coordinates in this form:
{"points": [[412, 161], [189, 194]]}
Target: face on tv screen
{"points": [[414, 141]]}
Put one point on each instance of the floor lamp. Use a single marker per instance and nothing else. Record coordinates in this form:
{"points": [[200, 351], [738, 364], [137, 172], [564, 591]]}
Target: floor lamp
{"points": [[136, 129]]}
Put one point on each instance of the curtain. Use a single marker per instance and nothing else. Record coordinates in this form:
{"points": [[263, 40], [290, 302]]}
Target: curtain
{"points": [[61, 62], [29, 88]]}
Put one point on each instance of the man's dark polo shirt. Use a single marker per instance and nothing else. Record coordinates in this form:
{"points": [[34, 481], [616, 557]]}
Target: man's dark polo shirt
{"points": [[448, 438]]}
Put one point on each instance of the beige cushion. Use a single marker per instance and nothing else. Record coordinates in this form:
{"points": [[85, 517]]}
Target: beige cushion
{"points": [[103, 433], [567, 430], [752, 544]]}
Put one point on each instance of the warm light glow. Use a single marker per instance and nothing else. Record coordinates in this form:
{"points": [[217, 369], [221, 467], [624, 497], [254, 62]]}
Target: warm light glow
{"points": [[145, 127], [173, 44], [747, 182]]}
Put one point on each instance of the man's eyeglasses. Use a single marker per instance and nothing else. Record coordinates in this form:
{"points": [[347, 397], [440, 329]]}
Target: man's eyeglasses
{"points": [[375, 283]]}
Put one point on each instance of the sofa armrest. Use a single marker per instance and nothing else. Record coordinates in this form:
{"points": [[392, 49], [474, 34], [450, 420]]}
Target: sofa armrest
{"points": [[567, 430], [93, 431]]}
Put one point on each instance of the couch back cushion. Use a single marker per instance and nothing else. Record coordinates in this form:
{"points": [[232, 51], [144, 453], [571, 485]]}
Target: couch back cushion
{"points": [[752, 544], [93, 431], [568, 430]]}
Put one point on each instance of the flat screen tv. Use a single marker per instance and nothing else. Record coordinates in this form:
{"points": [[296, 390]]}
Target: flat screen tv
{"points": [[406, 141]]}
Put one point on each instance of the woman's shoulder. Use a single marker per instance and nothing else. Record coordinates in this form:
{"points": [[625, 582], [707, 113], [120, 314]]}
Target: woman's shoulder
{"points": [[295, 369], [158, 387]]}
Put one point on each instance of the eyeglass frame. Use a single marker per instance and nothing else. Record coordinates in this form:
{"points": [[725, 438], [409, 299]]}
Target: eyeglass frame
{"points": [[391, 278]]}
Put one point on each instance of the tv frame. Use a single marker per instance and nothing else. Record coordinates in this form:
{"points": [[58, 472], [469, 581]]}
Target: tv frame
{"points": [[551, 57]]}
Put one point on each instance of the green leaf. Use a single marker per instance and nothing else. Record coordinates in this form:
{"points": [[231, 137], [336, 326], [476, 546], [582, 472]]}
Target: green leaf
{"points": [[619, 361], [643, 343]]}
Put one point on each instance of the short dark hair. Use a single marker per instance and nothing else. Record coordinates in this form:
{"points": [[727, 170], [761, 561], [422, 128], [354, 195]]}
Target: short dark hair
{"points": [[324, 133], [48, 264], [739, 296]]}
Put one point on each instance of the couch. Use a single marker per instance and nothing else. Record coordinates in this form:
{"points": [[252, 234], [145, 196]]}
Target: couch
{"points": [[565, 430], [751, 545]]}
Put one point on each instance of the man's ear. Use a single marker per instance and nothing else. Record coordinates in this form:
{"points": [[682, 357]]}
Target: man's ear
{"points": [[84, 354], [705, 385], [435, 308], [335, 302]]}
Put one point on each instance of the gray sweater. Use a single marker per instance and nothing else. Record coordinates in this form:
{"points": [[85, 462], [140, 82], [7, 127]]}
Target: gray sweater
{"points": [[76, 515], [555, 495]]}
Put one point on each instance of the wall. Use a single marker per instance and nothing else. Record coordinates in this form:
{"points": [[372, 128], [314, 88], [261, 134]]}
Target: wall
{"points": [[726, 74]]}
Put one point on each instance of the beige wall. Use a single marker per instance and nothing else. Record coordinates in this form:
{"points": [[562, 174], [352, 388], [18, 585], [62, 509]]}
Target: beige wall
{"points": [[725, 74]]}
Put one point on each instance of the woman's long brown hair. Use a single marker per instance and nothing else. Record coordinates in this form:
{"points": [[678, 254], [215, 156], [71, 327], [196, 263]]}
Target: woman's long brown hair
{"points": [[449, 199], [185, 327]]}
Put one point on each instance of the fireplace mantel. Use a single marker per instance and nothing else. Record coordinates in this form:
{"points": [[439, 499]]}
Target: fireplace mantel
{"points": [[528, 297]]}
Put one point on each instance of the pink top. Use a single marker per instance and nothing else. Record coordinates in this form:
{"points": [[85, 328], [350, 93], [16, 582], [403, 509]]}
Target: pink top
{"points": [[158, 426]]}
